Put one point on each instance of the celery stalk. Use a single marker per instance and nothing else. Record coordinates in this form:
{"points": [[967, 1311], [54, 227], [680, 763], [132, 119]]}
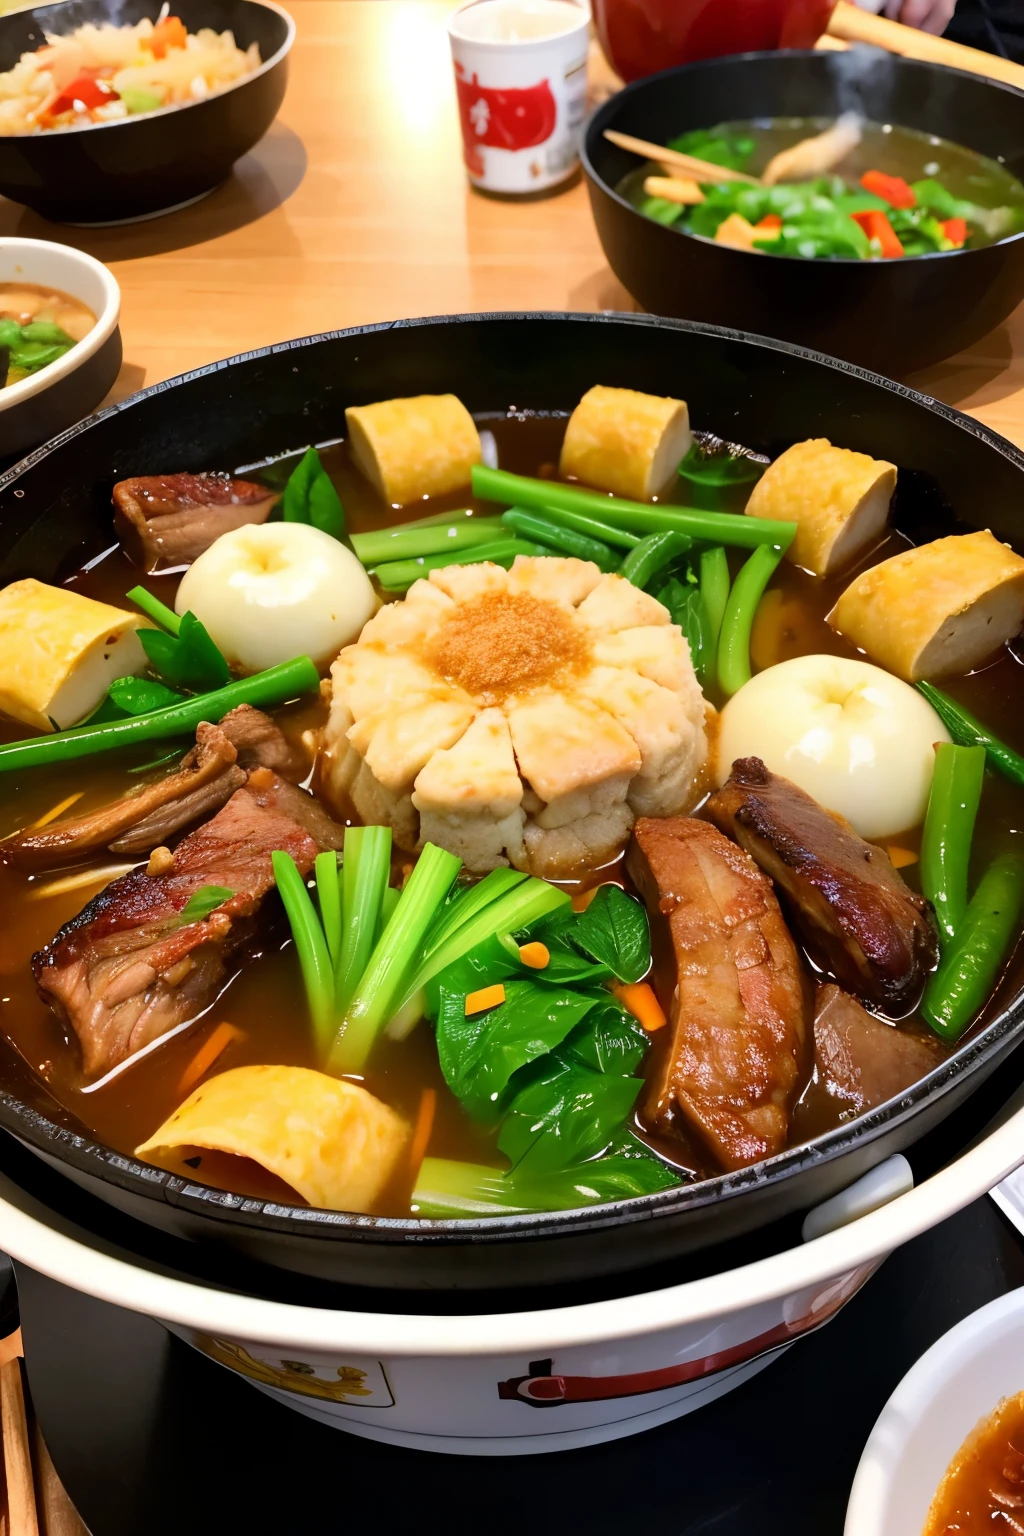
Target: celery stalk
{"points": [[382, 989], [449, 1188], [467, 903], [364, 880]]}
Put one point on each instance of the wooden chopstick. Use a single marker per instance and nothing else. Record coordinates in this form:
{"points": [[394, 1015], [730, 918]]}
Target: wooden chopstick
{"points": [[21, 1493], [852, 25], [698, 170]]}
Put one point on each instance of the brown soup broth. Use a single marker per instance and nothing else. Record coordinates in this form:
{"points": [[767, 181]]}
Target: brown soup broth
{"points": [[983, 1489], [264, 998]]}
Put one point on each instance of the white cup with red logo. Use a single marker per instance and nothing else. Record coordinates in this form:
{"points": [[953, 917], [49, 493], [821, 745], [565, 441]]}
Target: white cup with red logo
{"points": [[521, 80]]}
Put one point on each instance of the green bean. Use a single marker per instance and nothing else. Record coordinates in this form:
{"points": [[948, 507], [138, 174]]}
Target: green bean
{"points": [[399, 575], [154, 609], [969, 732], [714, 589], [328, 891], [652, 554], [579, 546], [738, 618], [635, 516], [593, 527], [264, 690], [310, 945], [948, 829], [968, 969], [411, 540]]}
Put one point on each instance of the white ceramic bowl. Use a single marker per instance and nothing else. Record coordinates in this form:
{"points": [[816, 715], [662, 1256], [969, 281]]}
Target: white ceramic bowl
{"points": [[37, 408], [472, 1383], [958, 1382]]}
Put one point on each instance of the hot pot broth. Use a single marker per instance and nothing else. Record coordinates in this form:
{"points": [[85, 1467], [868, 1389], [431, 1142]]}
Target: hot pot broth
{"points": [[948, 182], [263, 996]]}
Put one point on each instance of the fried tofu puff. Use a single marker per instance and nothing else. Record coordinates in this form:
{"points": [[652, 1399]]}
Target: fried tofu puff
{"points": [[939, 610], [622, 441], [60, 651], [519, 717], [425, 445], [331, 1140], [838, 499]]}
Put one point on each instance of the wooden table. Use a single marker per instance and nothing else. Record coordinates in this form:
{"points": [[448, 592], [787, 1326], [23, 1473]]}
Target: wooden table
{"points": [[355, 208]]}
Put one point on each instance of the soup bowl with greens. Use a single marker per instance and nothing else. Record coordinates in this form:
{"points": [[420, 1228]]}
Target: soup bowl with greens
{"points": [[887, 194]]}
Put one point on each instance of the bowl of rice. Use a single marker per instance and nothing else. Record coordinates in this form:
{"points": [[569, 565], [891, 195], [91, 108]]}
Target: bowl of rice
{"points": [[115, 110]]}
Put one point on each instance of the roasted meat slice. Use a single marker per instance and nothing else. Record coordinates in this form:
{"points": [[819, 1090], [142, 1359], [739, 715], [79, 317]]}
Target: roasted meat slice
{"points": [[742, 1012], [861, 919], [165, 520], [138, 822], [128, 968], [863, 1060]]}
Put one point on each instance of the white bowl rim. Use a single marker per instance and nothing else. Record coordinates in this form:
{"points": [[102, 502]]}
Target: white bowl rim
{"points": [[223, 1312], [90, 344], [180, 106], [879, 1463]]}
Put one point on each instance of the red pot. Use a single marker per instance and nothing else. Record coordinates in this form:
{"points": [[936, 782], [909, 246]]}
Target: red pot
{"points": [[640, 37]]}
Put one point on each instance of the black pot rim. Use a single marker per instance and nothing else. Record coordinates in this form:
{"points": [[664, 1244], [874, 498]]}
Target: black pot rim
{"points": [[144, 117], [682, 71], [97, 1161]]}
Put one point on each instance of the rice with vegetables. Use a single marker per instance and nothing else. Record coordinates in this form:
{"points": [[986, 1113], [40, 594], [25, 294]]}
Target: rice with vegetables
{"points": [[100, 74]]}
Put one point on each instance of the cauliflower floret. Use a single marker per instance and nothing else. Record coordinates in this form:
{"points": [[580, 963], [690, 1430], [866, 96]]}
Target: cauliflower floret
{"points": [[517, 717]]}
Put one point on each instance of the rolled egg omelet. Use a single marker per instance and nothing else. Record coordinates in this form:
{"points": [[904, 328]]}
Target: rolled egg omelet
{"points": [[60, 652], [622, 441], [425, 445], [938, 610], [838, 499]]}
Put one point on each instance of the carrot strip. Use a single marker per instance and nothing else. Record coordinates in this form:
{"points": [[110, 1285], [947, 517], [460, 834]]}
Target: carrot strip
{"points": [[639, 999], [770, 222], [56, 810], [214, 1046], [421, 1133], [486, 997], [899, 858], [535, 954]]}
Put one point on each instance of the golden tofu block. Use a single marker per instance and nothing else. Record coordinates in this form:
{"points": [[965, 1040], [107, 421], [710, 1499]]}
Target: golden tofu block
{"points": [[936, 611], [329, 1139], [622, 441], [838, 499], [60, 652], [425, 445]]}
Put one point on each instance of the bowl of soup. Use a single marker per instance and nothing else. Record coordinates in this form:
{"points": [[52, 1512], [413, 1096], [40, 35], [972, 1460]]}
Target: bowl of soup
{"points": [[887, 196], [60, 346], [946, 1452], [389, 771], [116, 112]]}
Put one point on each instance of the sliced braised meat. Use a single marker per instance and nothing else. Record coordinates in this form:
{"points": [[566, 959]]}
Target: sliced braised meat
{"points": [[870, 929], [207, 776], [740, 1046], [863, 1060], [172, 519], [128, 968]]}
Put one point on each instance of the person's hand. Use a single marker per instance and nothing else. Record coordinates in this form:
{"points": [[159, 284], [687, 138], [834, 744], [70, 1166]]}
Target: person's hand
{"points": [[926, 15]]}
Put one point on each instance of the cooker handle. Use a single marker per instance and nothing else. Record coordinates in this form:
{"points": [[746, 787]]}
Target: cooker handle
{"points": [[892, 1178]]}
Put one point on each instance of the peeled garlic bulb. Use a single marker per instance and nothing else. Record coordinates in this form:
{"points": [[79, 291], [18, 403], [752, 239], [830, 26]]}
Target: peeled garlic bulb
{"points": [[856, 738], [268, 592]]}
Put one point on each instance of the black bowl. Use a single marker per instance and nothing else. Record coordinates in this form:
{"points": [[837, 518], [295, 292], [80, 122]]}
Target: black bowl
{"points": [[109, 173], [893, 316], [55, 512]]}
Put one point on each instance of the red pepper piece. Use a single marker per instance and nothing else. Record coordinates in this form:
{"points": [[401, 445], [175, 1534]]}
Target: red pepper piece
{"points": [[897, 192], [169, 33], [955, 230], [876, 226], [87, 90], [771, 221]]}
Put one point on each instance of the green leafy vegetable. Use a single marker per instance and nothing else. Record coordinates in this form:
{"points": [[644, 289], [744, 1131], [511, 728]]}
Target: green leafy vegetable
{"points": [[568, 1114], [310, 497], [447, 1188], [718, 477], [264, 690], [364, 881], [653, 555], [137, 100], [203, 902], [661, 210], [685, 602], [133, 696], [310, 944], [189, 658], [731, 150], [154, 609], [614, 929]]}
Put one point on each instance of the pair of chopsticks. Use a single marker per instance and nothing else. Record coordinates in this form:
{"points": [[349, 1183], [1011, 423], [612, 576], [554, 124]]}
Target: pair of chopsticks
{"points": [[673, 159], [37, 1504]]}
